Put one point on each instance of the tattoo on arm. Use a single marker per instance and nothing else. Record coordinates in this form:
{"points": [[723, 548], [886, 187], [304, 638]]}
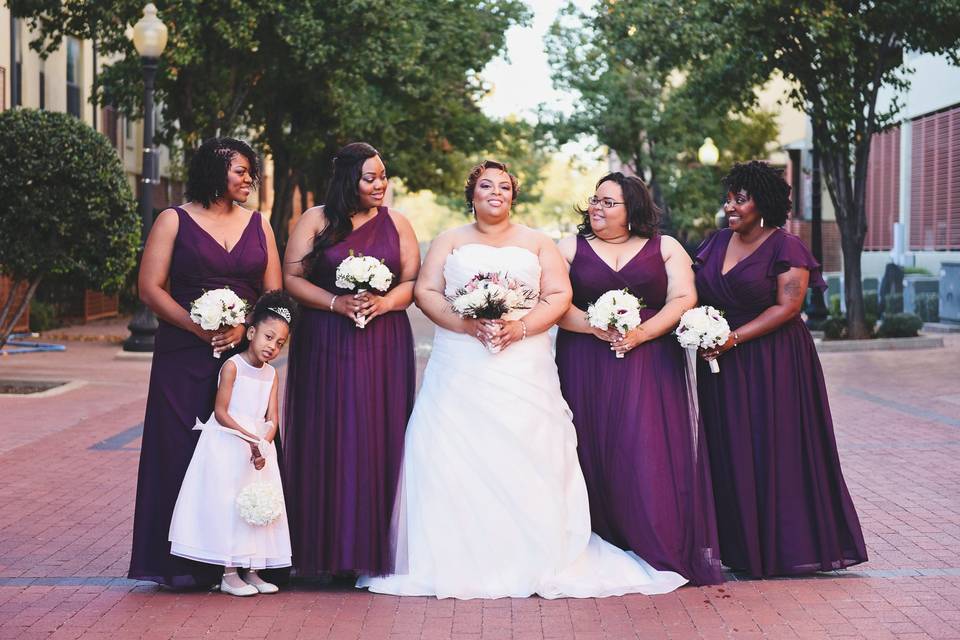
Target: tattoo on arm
{"points": [[792, 289]]}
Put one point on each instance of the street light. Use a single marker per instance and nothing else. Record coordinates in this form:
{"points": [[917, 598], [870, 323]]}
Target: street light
{"points": [[149, 38], [708, 154]]}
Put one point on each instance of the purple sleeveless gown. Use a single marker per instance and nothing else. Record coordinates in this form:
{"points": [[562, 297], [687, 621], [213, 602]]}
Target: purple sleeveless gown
{"points": [[640, 444], [350, 392], [183, 386], [782, 504]]}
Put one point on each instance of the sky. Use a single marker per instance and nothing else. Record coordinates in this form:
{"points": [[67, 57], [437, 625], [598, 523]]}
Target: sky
{"points": [[523, 82]]}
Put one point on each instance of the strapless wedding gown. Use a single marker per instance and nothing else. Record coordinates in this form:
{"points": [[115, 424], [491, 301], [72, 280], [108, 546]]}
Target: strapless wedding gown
{"points": [[493, 502]]}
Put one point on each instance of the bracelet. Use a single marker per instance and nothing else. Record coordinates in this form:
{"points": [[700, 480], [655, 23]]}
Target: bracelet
{"points": [[332, 300], [523, 325], [736, 339]]}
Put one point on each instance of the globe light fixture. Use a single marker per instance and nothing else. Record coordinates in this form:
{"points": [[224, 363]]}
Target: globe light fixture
{"points": [[708, 154]]}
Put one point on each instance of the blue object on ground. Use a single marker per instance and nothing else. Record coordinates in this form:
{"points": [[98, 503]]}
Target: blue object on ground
{"points": [[17, 344]]}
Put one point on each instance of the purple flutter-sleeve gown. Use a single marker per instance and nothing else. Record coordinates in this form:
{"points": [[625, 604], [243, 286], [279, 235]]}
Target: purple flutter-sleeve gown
{"points": [[640, 443], [782, 503], [183, 386], [350, 392]]}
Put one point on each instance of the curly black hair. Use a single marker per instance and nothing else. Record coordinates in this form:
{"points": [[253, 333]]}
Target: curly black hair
{"points": [[765, 184], [271, 305], [643, 215], [207, 174], [471, 184]]}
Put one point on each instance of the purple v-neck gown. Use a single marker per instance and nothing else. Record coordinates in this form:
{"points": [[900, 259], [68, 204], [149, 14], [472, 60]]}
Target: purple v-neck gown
{"points": [[350, 392], [183, 386], [782, 504], [640, 444]]}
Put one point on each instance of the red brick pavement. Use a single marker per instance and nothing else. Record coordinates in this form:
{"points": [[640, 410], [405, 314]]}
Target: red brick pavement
{"points": [[67, 474]]}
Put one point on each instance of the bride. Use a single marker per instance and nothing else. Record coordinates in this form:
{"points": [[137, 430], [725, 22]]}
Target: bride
{"points": [[493, 502]]}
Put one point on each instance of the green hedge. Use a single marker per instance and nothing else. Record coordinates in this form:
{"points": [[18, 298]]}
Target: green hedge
{"points": [[927, 306], [900, 325]]}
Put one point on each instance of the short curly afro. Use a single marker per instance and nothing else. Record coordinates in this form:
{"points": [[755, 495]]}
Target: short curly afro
{"points": [[207, 175], [765, 184]]}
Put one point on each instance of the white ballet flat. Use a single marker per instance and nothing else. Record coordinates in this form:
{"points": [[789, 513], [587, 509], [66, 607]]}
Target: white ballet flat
{"points": [[265, 587], [245, 590]]}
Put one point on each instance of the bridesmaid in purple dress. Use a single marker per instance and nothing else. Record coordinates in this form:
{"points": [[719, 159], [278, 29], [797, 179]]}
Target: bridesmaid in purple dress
{"points": [[782, 504], [641, 445], [208, 243], [349, 390]]}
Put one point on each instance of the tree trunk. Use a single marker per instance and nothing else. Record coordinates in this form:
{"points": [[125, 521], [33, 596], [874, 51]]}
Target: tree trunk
{"points": [[6, 328], [285, 180]]}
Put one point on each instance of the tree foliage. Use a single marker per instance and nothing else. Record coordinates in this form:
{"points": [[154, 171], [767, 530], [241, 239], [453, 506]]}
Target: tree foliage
{"points": [[66, 210], [307, 77], [643, 111], [839, 55]]}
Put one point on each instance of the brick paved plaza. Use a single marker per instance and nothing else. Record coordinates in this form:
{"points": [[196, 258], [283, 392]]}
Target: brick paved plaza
{"points": [[68, 467]]}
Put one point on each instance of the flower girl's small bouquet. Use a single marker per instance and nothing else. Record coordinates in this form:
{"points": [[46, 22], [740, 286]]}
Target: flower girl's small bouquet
{"points": [[361, 273], [218, 308], [490, 296], [260, 503], [618, 309], [703, 328]]}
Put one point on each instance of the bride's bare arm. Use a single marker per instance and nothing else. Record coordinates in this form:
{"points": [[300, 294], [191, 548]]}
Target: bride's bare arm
{"points": [[428, 292]]}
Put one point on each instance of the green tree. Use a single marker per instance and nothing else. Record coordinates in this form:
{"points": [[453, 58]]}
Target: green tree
{"points": [[307, 77], [66, 210], [644, 113], [838, 55]]}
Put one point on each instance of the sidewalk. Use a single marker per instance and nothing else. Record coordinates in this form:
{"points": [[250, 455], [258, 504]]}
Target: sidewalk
{"points": [[69, 464]]}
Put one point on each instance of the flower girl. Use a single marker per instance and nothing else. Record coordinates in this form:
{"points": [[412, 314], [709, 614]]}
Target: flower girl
{"points": [[230, 509]]}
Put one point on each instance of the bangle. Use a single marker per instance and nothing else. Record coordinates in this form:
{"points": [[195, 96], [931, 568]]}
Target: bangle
{"points": [[523, 325], [332, 300], [736, 339]]}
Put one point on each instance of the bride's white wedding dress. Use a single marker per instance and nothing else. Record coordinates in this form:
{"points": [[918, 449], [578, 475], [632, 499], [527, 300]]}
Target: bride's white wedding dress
{"points": [[493, 502]]}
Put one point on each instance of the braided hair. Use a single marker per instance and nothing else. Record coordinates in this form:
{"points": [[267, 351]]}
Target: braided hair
{"points": [[765, 184]]}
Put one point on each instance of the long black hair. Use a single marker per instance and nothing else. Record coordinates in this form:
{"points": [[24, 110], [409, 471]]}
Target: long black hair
{"points": [[207, 174], [643, 215], [342, 201], [765, 184]]}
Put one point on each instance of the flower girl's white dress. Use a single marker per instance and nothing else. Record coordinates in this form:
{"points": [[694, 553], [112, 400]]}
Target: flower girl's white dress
{"points": [[206, 525]]}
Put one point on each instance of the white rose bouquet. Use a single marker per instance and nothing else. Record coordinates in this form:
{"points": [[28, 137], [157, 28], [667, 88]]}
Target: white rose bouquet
{"points": [[618, 309], [361, 273], [703, 328], [260, 503], [218, 308], [490, 296]]}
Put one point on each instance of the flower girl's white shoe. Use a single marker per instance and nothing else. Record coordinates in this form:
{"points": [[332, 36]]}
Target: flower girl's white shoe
{"points": [[258, 583], [245, 590]]}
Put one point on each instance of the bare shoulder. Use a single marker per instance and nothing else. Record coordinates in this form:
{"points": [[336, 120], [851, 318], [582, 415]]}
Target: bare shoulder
{"points": [[670, 247], [166, 224], [400, 220], [228, 369], [457, 236], [313, 218]]}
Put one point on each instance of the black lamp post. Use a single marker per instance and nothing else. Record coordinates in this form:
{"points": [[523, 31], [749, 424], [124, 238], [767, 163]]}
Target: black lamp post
{"points": [[149, 38]]}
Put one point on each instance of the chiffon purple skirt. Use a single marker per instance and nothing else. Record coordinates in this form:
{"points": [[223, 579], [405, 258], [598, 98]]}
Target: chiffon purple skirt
{"points": [[640, 443], [782, 503], [350, 392], [183, 385]]}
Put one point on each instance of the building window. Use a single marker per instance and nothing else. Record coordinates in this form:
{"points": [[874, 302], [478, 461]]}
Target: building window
{"points": [[16, 88], [935, 182], [74, 76], [43, 89], [883, 190]]}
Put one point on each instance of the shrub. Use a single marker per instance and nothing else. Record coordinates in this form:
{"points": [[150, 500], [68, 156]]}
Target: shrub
{"points": [[900, 325], [893, 303], [834, 306], [43, 316], [871, 304], [834, 328], [916, 271], [66, 210], [927, 306]]}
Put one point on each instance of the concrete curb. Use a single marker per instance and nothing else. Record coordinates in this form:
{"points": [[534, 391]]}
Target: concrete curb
{"points": [[879, 344]]}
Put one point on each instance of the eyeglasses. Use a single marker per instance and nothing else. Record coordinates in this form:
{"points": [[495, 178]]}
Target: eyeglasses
{"points": [[606, 203]]}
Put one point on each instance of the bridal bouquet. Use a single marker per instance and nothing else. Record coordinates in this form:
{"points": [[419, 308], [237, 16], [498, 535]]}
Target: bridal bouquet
{"points": [[260, 503], [361, 273], [491, 296], [218, 308], [618, 309], [703, 328]]}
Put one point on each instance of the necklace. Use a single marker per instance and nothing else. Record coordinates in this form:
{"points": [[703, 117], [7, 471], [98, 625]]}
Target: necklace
{"points": [[625, 240]]}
